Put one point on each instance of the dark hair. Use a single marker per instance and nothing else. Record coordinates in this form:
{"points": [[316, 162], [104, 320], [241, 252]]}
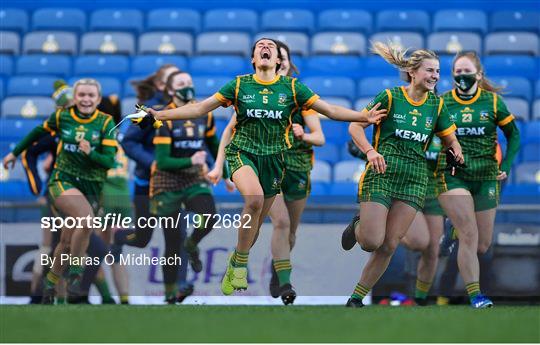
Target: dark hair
{"points": [[484, 83], [293, 67], [168, 85], [146, 88], [277, 46]]}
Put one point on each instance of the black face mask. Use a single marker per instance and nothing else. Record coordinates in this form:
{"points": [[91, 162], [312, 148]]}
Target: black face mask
{"points": [[186, 94], [465, 81]]}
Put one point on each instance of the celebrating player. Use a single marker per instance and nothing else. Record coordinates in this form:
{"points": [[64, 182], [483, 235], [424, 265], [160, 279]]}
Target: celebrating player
{"points": [[265, 103], [393, 186], [288, 206], [470, 197], [86, 151]]}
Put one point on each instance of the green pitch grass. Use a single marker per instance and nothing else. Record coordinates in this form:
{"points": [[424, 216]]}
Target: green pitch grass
{"points": [[267, 324]]}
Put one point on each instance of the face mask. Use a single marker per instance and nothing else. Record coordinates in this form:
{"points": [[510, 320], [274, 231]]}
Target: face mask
{"points": [[465, 81], [186, 94]]}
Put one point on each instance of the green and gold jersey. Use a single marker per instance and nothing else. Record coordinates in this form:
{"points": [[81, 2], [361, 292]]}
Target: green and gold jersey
{"points": [[477, 120], [432, 154], [300, 156], [71, 128], [410, 125], [264, 111]]}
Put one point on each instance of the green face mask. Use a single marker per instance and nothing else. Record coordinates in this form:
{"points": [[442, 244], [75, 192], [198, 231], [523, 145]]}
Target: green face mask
{"points": [[465, 81], [186, 94]]}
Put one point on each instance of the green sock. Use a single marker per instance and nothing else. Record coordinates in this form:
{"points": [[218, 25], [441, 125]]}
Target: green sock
{"points": [[240, 259], [473, 289], [283, 269], [360, 292], [103, 289], [76, 270], [51, 280], [60, 300], [170, 290], [422, 289]]}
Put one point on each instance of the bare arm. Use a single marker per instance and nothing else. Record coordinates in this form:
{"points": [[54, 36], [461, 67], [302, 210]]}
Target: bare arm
{"points": [[450, 141], [356, 130], [340, 113], [315, 135], [216, 173], [188, 111]]}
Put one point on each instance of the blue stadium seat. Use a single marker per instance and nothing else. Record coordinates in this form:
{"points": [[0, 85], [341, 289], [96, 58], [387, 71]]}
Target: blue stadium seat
{"points": [[345, 20], [127, 105], [530, 152], [234, 43], [166, 42], [512, 42], [536, 110], [527, 173], [16, 129], [446, 63], [349, 170], [391, 20], [10, 43], [515, 87], [328, 153], [110, 42], [444, 85], [116, 20], [288, 20], [515, 65], [515, 21], [174, 19], [44, 64], [101, 64], [341, 101], [460, 20], [219, 65], [298, 42], [519, 107], [2, 87], [31, 86], [370, 87], [331, 86], [454, 42], [109, 85], [531, 132], [537, 87], [376, 66], [13, 19], [230, 20], [335, 132], [148, 64], [322, 171], [28, 107], [50, 42], [207, 86], [335, 42], [6, 67], [332, 65], [412, 40], [343, 189], [62, 19], [129, 90]]}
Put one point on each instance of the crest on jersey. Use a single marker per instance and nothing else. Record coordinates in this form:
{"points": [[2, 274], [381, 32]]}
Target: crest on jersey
{"points": [[201, 130], [282, 98], [491, 193], [429, 122], [276, 184], [453, 117], [302, 184], [484, 115], [95, 135]]}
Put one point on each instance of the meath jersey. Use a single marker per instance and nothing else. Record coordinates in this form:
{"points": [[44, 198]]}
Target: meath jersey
{"points": [[477, 120], [300, 156], [402, 138], [264, 111], [71, 128], [432, 154]]}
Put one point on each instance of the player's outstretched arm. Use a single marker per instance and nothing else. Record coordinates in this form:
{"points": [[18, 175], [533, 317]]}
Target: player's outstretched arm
{"points": [[188, 111], [315, 135], [337, 112]]}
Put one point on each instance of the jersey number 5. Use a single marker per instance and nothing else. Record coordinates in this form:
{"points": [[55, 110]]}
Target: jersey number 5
{"points": [[265, 99]]}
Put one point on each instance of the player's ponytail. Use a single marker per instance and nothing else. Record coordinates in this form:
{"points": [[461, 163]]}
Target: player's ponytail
{"points": [[396, 55], [484, 83], [146, 88]]}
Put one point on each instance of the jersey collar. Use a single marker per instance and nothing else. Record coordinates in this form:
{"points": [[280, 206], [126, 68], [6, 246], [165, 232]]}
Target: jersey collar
{"points": [[411, 101], [470, 101], [262, 82], [80, 119]]}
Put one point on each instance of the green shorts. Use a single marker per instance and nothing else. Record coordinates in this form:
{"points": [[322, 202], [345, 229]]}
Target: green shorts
{"points": [[168, 203], [296, 185], [269, 168], [432, 207], [386, 201], [115, 197], [485, 193], [60, 181]]}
